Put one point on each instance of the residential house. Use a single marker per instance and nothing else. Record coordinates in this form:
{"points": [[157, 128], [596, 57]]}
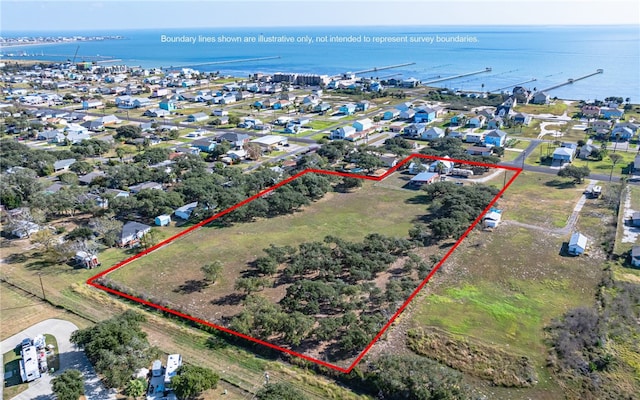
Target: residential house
{"points": [[270, 142], [441, 166], [506, 107], [145, 185], [87, 104], [389, 160], [424, 114], [458, 120], [50, 135], [590, 111], [54, 188], [198, 117], [474, 137], [540, 98], [477, 121], [94, 125], [185, 211], [611, 113], [86, 260], [218, 112], [414, 130], [407, 114], [585, 151], [495, 122], [522, 94], [432, 133], [563, 155], [63, 165], [90, 177], [415, 167], [600, 126], [347, 109], [157, 113], [24, 229], [577, 244], [344, 132], [522, 119], [424, 178], [237, 140], [205, 144], [362, 105], [495, 137], [168, 105], [363, 125], [405, 106], [479, 151], [162, 220], [141, 102], [132, 232], [410, 82], [635, 219], [624, 130], [322, 108]]}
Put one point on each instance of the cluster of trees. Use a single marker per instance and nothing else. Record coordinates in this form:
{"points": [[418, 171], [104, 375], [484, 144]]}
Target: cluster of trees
{"points": [[576, 173], [414, 377], [587, 344], [330, 282], [116, 347], [398, 145], [69, 385], [452, 209], [190, 381]]}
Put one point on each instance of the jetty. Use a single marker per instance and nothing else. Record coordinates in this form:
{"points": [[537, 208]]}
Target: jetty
{"points": [[374, 69], [572, 80], [448, 78], [513, 85], [240, 60]]}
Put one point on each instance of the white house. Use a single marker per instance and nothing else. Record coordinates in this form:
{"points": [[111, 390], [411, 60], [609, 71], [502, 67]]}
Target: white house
{"points": [[132, 232], [363, 124]]}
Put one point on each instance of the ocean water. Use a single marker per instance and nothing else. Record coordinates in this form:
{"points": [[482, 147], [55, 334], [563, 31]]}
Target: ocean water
{"points": [[551, 55]]}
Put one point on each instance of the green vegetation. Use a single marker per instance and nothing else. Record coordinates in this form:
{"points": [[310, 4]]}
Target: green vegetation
{"points": [[576, 173], [190, 381], [280, 391], [69, 385], [116, 347]]}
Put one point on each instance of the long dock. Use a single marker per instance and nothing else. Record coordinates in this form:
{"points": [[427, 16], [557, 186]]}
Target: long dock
{"points": [[374, 69], [513, 85], [226, 62], [572, 80], [448, 78]]}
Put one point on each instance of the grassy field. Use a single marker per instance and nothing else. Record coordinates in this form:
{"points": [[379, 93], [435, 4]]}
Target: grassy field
{"points": [[540, 199], [530, 131], [350, 216], [558, 108], [604, 166], [502, 288]]}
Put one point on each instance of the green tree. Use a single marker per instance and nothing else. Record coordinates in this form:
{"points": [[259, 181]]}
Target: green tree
{"points": [[69, 385], [128, 132], [212, 271], [577, 173], [136, 388], [280, 391], [190, 381]]}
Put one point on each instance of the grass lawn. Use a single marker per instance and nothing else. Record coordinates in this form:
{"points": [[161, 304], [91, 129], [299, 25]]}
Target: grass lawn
{"points": [[319, 124], [531, 131], [510, 155], [558, 108], [517, 144], [350, 216], [604, 166], [540, 199], [319, 136]]}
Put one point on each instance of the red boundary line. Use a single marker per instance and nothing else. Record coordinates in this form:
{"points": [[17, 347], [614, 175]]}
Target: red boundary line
{"points": [[91, 281]]}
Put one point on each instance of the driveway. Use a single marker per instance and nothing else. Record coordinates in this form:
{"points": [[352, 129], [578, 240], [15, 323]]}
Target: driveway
{"points": [[70, 357]]}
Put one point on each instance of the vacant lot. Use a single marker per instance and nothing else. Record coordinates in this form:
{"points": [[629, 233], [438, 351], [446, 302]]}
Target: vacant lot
{"points": [[502, 288], [173, 272]]}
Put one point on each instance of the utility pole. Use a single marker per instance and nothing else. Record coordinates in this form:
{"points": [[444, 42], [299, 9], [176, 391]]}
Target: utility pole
{"points": [[42, 286]]}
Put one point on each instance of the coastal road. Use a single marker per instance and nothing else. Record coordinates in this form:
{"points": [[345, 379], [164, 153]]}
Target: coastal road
{"points": [[70, 357]]}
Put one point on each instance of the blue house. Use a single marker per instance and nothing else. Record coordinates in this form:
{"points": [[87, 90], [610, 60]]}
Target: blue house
{"points": [[362, 105], [168, 105], [609, 113], [322, 107], [496, 137], [185, 211], [563, 155], [425, 114], [457, 120], [577, 244], [495, 123], [476, 122], [391, 114], [205, 144], [347, 109]]}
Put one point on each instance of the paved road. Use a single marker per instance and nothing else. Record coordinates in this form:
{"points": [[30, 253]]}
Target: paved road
{"points": [[70, 357]]}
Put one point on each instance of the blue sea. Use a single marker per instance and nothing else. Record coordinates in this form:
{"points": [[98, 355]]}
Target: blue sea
{"points": [[515, 54]]}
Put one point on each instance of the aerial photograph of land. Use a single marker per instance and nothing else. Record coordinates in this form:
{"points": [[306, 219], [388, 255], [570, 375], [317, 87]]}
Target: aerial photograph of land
{"points": [[309, 200]]}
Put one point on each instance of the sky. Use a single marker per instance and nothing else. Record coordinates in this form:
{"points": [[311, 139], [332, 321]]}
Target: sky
{"points": [[113, 15]]}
